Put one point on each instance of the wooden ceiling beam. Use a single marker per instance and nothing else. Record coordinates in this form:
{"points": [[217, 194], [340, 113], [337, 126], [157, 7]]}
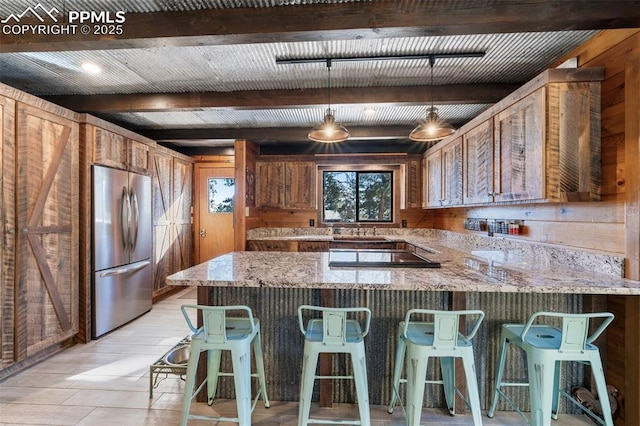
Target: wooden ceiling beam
{"points": [[343, 21], [261, 99], [272, 134]]}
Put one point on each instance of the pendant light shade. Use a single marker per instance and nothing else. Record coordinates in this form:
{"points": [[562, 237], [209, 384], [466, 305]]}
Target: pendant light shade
{"points": [[329, 131], [433, 128]]}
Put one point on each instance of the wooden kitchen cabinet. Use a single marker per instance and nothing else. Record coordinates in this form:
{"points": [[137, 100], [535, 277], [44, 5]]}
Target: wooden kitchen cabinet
{"points": [[286, 185], [413, 183], [270, 177], [300, 185], [39, 283], [114, 149], [313, 246], [444, 175], [139, 157], [519, 150], [477, 164], [183, 201], [452, 173], [272, 245], [433, 179], [540, 144], [47, 228], [172, 194]]}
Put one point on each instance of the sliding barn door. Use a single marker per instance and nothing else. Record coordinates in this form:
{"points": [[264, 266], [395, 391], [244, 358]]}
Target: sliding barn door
{"points": [[47, 230]]}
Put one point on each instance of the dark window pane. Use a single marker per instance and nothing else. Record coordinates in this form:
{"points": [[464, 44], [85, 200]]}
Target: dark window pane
{"points": [[350, 196], [339, 190], [374, 196]]}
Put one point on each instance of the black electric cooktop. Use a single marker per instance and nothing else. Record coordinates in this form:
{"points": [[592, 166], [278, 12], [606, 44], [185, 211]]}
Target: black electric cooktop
{"points": [[378, 259]]}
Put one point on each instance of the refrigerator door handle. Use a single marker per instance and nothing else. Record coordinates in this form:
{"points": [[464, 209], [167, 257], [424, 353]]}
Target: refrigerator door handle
{"points": [[125, 213], [140, 266], [125, 270], [135, 216], [114, 273]]}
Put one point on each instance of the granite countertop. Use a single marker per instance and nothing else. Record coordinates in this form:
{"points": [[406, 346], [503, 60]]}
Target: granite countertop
{"points": [[474, 271]]}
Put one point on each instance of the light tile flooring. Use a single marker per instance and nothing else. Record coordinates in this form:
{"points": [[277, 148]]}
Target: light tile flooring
{"points": [[106, 382]]}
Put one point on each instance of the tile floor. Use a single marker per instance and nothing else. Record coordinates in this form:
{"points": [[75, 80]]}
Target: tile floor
{"points": [[106, 382]]}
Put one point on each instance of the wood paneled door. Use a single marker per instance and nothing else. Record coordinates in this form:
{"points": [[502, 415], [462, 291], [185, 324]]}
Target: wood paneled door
{"points": [[47, 230], [213, 211]]}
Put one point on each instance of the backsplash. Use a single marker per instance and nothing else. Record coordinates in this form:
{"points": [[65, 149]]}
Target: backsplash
{"points": [[504, 250]]}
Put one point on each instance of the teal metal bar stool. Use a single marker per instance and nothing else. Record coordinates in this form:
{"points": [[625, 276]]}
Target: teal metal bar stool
{"points": [[334, 332], [223, 333], [437, 338], [546, 346]]}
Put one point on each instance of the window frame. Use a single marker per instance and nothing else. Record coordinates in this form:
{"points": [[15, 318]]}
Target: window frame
{"points": [[396, 191]]}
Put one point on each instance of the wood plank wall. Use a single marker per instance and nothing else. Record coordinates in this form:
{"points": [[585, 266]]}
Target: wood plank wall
{"points": [[601, 226]]}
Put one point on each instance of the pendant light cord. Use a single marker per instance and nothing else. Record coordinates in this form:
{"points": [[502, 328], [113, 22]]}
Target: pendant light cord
{"points": [[329, 82], [432, 62]]}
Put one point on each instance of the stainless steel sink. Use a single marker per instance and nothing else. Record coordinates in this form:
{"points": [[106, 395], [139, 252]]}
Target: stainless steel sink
{"points": [[365, 238]]}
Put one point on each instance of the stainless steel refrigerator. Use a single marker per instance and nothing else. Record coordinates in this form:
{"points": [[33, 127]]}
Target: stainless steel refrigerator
{"points": [[122, 244]]}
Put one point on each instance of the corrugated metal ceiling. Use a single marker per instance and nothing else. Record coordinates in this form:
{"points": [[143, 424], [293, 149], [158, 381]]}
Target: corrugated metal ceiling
{"points": [[510, 58]]}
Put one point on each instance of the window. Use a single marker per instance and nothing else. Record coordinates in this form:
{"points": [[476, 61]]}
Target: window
{"points": [[221, 192], [357, 196]]}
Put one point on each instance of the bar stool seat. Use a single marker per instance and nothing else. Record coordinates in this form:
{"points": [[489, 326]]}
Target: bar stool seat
{"points": [[334, 332], [546, 346], [439, 338], [237, 335]]}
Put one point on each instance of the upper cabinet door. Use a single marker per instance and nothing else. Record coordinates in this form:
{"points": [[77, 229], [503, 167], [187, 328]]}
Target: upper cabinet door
{"points": [[519, 150], [478, 164], [413, 185], [452, 173], [433, 179], [300, 188], [138, 157], [109, 149], [270, 176]]}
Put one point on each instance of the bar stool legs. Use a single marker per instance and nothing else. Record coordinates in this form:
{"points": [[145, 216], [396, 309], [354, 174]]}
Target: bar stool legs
{"points": [[546, 346], [438, 339], [238, 335], [333, 333]]}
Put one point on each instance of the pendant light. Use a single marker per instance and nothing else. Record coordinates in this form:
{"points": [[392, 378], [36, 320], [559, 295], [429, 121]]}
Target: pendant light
{"points": [[433, 128], [329, 131]]}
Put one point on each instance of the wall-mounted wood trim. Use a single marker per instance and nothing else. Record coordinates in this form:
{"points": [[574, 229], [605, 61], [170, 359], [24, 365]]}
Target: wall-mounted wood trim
{"points": [[632, 221]]}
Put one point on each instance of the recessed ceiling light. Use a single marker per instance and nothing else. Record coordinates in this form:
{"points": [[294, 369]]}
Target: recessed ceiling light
{"points": [[91, 68], [369, 111]]}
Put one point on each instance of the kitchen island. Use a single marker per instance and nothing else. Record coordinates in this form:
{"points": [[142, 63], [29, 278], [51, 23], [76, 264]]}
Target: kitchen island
{"points": [[274, 284]]}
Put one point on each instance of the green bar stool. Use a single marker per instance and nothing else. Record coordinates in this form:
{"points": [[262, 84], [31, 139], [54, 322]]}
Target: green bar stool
{"points": [[437, 338], [546, 346], [333, 332], [223, 333]]}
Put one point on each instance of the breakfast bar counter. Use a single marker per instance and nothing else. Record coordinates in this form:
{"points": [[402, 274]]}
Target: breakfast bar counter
{"points": [[503, 283], [476, 271]]}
